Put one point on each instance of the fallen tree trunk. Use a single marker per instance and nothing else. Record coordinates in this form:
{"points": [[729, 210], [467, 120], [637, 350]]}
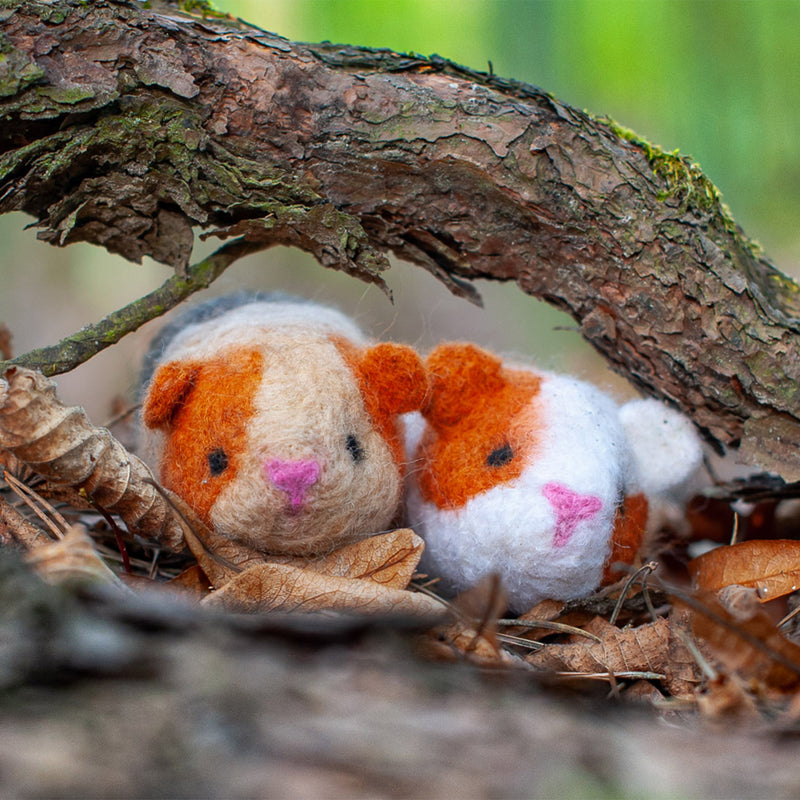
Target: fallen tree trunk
{"points": [[127, 127]]}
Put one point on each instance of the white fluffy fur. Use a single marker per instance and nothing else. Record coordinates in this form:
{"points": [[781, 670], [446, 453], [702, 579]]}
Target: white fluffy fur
{"points": [[509, 530], [664, 444], [242, 324]]}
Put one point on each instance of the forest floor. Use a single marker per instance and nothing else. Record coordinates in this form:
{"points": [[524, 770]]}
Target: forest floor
{"points": [[146, 697]]}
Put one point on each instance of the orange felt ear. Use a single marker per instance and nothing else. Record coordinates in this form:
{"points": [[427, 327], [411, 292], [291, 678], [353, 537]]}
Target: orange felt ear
{"points": [[460, 374], [171, 385], [393, 379]]}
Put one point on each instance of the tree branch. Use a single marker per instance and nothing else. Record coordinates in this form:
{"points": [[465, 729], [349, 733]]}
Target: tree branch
{"points": [[127, 126], [78, 348]]}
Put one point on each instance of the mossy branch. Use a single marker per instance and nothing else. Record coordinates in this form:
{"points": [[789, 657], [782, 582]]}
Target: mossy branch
{"points": [[78, 348], [141, 127]]}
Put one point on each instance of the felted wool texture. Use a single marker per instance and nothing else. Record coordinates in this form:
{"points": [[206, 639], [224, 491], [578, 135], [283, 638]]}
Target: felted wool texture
{"points": [[474, 404], [272, 390], [321, 406], [665, 446], [392, 381], [576, 444], [630, 527], [246, 325], [240, 325]]}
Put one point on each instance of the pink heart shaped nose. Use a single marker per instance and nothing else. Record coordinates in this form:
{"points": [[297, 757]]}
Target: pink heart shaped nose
{"points": [[294, 478], [571, 508]]}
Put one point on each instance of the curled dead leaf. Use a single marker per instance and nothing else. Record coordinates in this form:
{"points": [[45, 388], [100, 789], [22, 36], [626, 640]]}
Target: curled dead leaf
{"points": [[648, 648], [754, 649], [364, 577], [389, 559], [287, 588], [61, 444], [771, 566]]}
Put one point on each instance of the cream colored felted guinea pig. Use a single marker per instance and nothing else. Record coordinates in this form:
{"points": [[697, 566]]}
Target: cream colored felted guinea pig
{"points": [[537, 477], [278, 424]]}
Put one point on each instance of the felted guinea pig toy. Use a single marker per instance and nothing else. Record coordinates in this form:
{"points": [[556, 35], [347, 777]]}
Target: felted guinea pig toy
{"points": [[278, 424], [538, 477]]}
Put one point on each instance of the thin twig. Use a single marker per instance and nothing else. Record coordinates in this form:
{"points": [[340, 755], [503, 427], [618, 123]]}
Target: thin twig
{"points": [[641, 572], [607, 676], [124, 414], [735, 533], [489, 613], [111, 522], [560, 627], [36, 503], [74, 350], [702, 661], [518, 641], [14, 525], [790, 616]]}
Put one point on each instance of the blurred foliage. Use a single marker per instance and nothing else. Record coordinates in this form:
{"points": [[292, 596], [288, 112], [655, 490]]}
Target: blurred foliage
{"points": [[718, 79]]}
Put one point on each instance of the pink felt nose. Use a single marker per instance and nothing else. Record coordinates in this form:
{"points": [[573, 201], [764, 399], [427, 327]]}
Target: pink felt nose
{"points": [[294, 478], [571, 508]]}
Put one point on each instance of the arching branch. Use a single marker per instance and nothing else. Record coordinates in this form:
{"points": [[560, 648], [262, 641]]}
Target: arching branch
{"points": [[127, 126]]}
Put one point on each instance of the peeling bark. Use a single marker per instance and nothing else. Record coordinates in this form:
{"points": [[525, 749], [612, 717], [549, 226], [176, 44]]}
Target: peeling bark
{"points": [[127, 127]]}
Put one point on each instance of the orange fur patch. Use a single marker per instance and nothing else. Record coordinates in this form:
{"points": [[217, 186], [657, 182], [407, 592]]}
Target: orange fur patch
{"points": [[203, 406], [476, 409], [629, 530], [392, 380]]}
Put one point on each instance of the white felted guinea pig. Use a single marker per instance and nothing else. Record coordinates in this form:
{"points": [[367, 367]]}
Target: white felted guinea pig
{"points": [[278, 423], [539, 478]]}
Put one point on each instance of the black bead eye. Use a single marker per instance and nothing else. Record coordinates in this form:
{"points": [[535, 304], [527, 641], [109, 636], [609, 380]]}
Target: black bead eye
{"points": [[354, 448], [217, 461], [500, 457]]}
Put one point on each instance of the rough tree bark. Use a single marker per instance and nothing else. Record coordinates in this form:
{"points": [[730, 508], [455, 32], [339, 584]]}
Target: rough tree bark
{"points": [[128, 126]]}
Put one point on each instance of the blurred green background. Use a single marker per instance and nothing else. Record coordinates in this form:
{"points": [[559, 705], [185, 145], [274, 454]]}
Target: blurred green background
{"points": [[718, 79]]}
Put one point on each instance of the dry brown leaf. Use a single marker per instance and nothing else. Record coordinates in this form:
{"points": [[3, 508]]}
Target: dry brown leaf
{"points": [[754, 649], [725, 698], [389, 559], [217, 556], [458, 642], [772, 566], [284, 587], [642, 649], [192, 580], [60, 443], [643, 692], [682, 671], [545, 611], [15, 529], [72, 560], [472, 635], [192, 583], [365, 577]]}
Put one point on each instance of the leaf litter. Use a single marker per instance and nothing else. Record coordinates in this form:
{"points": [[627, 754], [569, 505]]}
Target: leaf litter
{"points": [[709, 635]]}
